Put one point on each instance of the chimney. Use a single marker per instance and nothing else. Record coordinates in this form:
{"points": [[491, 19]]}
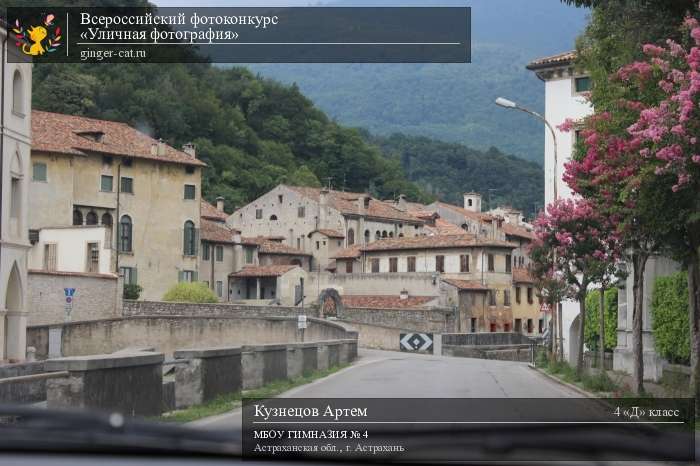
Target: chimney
{"points": [[363, 203], [189, 149], [404, 294], [160, 148], [220, 203], [472, 202], [154, 148], [401, 205]]}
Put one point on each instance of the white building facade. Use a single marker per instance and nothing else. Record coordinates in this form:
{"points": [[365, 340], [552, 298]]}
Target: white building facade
{"points": [[15, 144], [565, 98], [564, 90]]}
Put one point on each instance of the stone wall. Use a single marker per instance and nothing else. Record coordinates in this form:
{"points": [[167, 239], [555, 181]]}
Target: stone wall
{"points": [[131, 384], [486, 339], [418, 284], [520, 353], [167, 334], [96, 297], [434, 320], [162, 308]]}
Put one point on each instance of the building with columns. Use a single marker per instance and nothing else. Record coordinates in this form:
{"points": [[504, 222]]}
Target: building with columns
{"points": [[15, 143]]}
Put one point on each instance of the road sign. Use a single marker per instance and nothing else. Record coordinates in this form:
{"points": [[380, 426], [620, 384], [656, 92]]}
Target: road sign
{"points": [[301, 321], [68, 308], [420, 342]]}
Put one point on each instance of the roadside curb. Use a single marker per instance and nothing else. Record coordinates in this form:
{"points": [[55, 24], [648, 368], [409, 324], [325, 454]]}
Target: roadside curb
{"points": [[568, 385]]}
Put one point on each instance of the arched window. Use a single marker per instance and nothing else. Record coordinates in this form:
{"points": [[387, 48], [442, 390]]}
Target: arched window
{"points": [[367, 234], [384, 235], [273, 217], [91, 218], [125, 234], [190, 239], [400, 235], [377, 234], [391, 234], [77, 217], [351, 237], [107, 219], [18, 93]]}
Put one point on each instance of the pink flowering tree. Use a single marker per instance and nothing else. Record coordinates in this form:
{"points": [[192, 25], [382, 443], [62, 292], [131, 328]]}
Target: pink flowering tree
{"points": [[581, 248], [639, 165]]}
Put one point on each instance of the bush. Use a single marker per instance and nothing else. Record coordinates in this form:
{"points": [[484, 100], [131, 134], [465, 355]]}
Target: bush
{"points": [[190, 292], [669, 307], [132, 291], [592, 313]]}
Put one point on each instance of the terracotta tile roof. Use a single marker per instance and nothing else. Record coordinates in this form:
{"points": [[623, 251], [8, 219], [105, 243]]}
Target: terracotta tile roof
{"points": [[522, 275], [329, 233], [215, 232], [435, 242], [518, 230], [61, 134], [347, 203], [258, 240], [553, 60], [273, 247], [351, 252], [211, 212], [477, 216], [443, 227], [385, 302], [473, 285], [263, 271]]}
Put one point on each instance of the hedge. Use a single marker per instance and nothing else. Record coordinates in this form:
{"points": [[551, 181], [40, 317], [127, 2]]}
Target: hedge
{"points": [[190, 292], [591, 331], [669, 307]]}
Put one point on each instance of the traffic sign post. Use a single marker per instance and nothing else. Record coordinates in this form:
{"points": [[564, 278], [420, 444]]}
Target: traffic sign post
{"points": [[419, 342], [69, 294], [301, 324]]}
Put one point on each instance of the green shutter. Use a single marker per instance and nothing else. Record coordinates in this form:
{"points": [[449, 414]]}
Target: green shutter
{"points": [[195, 276], [134, 276], [180, 276]]}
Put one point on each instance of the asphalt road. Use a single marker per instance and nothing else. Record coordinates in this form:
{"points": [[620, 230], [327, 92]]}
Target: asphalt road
{"points": [[390, 374]]}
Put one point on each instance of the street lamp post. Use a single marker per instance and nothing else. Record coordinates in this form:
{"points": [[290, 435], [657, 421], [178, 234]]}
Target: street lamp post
{"points": [[509, 104]]}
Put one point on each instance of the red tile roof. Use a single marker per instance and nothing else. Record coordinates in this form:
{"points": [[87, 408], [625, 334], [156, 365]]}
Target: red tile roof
{"points": [[351, 252], [518, 230], [553, 60], [211, 212], [347, 203], [443, 227], [477, 216], [263, 271], [435, 242], [273, 247], [385, 302], [521, 275], [61, 134], [215, 232], [329, 233], [473, 285]]}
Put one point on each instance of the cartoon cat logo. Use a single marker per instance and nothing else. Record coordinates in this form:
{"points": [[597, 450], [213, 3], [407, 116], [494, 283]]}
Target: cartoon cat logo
{"points": [[31, 40]]}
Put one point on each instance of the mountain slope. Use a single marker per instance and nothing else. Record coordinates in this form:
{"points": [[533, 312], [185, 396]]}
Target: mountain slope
{"points": [[451, 102]]}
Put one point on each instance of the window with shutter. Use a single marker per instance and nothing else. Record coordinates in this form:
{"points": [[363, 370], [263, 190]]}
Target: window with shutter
{"points": [[411, 264]]}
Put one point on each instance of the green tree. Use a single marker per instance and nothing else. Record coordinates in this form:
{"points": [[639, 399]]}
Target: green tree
{"points": [[592, 331], [669, 307], [190, 292]]}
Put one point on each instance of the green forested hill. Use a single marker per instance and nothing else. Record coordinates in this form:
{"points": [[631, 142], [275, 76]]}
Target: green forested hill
{"points": [[447, 170], [255, 133]]}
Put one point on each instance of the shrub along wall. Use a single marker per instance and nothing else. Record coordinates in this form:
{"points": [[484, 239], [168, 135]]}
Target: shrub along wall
{"points": [[591, 331], [669, 307]]}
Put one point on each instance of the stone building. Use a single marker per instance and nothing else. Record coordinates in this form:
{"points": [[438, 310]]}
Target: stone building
{"points": [[301, 215], [88, 172], [475, 276], [15, 143]]}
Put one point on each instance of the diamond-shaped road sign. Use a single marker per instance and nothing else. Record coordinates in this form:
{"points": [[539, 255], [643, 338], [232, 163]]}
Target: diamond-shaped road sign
{"points": [[422, 342]]}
